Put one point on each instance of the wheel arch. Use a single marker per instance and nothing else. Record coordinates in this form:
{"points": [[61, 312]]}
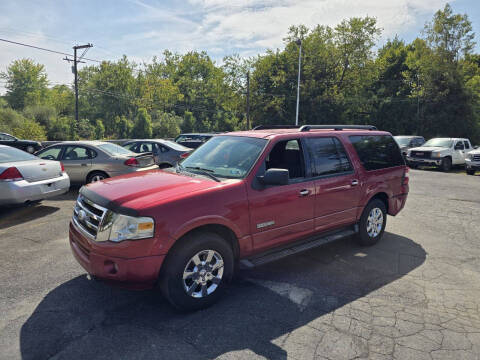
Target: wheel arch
{"points": [[94, 171], [381, 196]]}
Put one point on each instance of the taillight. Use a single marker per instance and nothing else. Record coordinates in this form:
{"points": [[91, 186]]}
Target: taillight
{"points": [[11, 174], [131, 162], [184, 155], [405, 177], [62, 167]]}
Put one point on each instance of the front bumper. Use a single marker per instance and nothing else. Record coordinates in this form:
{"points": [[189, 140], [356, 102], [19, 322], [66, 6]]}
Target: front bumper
{"points": [[472, 165], [131, 273], [422, 161], [19, 192]]}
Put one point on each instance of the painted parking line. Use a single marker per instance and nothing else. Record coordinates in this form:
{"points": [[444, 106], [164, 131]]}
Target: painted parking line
{"points": [[300, 296]]}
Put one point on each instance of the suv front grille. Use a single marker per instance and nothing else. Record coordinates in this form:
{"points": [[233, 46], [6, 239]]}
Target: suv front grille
{"points": [[422, 154], [476, 157], [88, 216]]}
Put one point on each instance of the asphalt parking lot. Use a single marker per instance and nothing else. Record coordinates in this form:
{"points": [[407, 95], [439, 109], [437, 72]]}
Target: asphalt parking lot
{"points": [[415, 295]]}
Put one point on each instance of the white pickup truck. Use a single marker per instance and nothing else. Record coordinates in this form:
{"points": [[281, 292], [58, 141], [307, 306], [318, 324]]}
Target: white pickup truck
{"points": [[473, 161], [441, 152]]}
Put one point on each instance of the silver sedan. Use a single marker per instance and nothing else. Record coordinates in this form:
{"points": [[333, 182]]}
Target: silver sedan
{"points": [[25, 178], [89, 161]]}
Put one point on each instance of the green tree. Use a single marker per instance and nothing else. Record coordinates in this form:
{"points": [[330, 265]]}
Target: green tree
{"points": [[31, 130], [99, 129], [26, 83], [85, 130], [125, 127], [166, 125], [188, 123], [142, 128]]}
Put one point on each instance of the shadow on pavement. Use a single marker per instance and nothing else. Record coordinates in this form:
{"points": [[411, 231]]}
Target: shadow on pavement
{"points": [[86, 319], [15, 215]]}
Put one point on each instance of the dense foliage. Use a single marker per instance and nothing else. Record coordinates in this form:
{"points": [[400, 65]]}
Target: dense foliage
{"points": [[429, 87]]}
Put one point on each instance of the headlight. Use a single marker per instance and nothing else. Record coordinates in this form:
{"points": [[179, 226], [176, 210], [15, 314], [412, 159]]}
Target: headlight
{"points": [[436, 155], [470, 156], [117, 227]]}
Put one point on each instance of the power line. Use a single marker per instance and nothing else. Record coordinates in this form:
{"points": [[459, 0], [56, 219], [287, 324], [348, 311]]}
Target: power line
{"points": [[45, 49]]}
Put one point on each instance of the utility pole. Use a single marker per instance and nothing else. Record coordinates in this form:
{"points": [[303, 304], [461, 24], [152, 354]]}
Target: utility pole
{"points": [[248, 100], [76, 60], [299, 43]]}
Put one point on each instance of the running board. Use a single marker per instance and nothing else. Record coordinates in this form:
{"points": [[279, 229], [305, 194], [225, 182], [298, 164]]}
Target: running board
{"points": [[296, 248]]}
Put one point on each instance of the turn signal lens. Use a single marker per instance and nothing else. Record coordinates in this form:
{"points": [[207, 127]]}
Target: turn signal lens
{"points": [[184, 155], [11, 174], [62, 167]]}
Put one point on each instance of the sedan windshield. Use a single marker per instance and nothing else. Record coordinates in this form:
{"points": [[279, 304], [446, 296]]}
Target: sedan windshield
{"points": [[8, 154], [114, 149], [439, 143], [402, 141], [225, 156]]}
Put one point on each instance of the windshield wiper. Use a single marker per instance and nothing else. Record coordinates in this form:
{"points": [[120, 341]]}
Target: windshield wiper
{"points": [[202, 171]]}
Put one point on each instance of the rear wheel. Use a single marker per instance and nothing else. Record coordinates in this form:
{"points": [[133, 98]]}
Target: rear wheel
{"points": [[96, 176], [372, 223], [195, 273], [446, 164]]}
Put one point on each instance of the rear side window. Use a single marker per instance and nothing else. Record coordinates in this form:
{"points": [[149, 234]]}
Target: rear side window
{"points": [[377, 151], [327, 156]]}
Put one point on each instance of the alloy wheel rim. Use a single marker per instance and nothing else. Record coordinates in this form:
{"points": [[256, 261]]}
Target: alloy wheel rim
{"points": [[97, 178], [374, 222], [203, 273]]}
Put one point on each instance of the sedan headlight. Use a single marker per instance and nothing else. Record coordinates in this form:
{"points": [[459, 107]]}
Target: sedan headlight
{"points": [[116, 227]]}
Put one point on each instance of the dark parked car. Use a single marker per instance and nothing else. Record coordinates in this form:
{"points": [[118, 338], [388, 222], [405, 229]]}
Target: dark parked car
{"points": [[250, 197], [165, 153], [406, 142], [193, 141], [29, 146]]}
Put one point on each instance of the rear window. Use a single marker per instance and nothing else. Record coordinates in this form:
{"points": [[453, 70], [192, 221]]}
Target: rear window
{"points": [[8, 154], [175, 146], [114, 149], [377, 151]]}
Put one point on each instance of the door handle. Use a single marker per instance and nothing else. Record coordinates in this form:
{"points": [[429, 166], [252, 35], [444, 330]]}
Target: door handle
{"points": [[354, 182], [304, 192]]}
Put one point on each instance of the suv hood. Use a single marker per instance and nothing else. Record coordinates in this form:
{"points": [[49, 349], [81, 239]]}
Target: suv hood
{"points": [[140, 190], [429, 148]]}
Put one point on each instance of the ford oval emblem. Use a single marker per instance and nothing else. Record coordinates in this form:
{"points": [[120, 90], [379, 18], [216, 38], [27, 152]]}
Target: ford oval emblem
{"points": [[82, 215]]}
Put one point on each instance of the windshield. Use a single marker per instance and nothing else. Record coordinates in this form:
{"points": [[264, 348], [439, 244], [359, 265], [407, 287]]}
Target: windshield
{"points": [[439, 143], [226, 156], [8, 154], [175, 146], [114, 149], [402, 141]]}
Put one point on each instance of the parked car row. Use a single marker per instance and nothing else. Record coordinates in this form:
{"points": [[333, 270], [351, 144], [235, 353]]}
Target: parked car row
{"points": [[441, 152]]}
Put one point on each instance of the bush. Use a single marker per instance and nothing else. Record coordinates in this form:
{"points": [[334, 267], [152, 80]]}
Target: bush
{"points": [[30, 130]]}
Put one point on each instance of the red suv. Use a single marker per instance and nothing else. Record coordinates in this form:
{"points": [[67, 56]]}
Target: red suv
{"points": [[241, 198]]}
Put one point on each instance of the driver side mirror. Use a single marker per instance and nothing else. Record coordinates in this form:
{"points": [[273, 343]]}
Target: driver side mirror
{"points": [[275, 177]]}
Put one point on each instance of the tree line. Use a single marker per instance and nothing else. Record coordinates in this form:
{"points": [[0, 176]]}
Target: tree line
{"points": [[428, 87]]}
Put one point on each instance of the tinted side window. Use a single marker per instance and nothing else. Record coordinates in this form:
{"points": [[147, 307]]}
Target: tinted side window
{"points": [[467, 145], [327, 156], [78, 153], [377, 151], [50, 153]]}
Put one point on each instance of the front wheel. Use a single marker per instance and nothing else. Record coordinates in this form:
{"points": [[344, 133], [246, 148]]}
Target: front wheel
{"points": [[372, 223], [446, 164], [470, 171], [195, 273]]}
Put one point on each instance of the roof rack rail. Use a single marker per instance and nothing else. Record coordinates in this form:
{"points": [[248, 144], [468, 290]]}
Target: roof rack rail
{"points": [[337, 127], [269, 127]]}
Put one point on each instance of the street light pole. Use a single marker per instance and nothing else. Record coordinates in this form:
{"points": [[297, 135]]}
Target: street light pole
{"points": [[299, 42]]}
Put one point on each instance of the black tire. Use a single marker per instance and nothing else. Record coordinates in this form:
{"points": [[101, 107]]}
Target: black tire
{"points": [[96, 176], [446, 164], [363, 237], [171, 282], [164, 166], [470, 171]]}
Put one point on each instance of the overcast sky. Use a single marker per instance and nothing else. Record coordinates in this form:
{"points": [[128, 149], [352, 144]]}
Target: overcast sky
{"points": [[144, 28]]}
